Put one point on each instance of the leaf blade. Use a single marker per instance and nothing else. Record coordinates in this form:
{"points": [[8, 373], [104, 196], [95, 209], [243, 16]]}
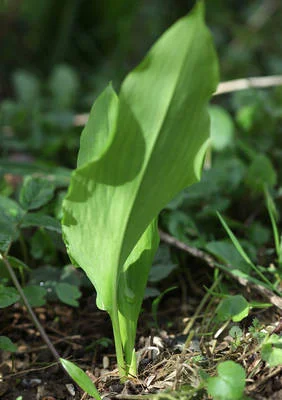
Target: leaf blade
{"points": [[123, 182], [80, 377]]}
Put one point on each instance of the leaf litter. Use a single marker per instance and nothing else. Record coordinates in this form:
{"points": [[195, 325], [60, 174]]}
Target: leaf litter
{"points": [[172, 364]]}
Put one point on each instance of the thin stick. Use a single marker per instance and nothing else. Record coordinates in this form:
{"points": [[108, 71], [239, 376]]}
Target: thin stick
{"points": [[248, 83], [266, 293], [165, 237], [29, 309]]}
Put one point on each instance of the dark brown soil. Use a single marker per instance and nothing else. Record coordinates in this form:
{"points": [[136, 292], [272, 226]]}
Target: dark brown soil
{"points": [[77, 335]]}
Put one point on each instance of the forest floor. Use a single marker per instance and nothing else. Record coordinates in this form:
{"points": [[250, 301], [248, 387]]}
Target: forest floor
{"points": [[171, 359]]}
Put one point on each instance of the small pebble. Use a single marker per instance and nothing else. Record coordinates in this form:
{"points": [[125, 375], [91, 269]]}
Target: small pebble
{"points": [[106, 362], [70, 389]]}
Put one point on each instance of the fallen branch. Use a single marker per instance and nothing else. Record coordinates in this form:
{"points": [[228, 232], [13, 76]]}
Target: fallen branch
{"points": [[248, 83], [224, 87], [211, 262]]}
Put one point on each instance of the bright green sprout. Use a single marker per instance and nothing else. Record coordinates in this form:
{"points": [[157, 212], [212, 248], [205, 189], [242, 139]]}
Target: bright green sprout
{"points": [[137, 151]]}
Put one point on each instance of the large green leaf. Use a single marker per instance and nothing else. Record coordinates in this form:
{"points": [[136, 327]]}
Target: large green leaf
{"points": [[137, 152]]}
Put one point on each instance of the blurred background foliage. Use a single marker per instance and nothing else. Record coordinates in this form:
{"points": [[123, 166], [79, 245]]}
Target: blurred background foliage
{"points": [[56, 56], [103, 40]]}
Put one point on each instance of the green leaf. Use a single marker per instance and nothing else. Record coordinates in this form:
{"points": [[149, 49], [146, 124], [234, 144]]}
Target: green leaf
{"points": [[159, 272], [68, 293], [19, 264], [233, 307], [261, 173], [10, 216], [59, 176], [7, 345], [235, 241], [246, 116], [72, 275], [243, 254], [236, 332], [47, 277], [6, 237], [162, 265], [227, 253], [271, 350], [8, 296], [230, 382], [63, 85], [80, 378], [36, 192], [35, 295], [16, 264], [26, 87], [222, 128], [10, 210], [41, 220], [179, 225], [100, 128], [151, 292], [127, 165]]}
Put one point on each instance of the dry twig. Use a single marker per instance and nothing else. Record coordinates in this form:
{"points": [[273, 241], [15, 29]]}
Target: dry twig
{"points": [[248, 83], [263, 291]]}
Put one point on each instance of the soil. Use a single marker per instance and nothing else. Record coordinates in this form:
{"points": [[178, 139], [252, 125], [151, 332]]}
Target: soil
{"points": [[82, 335]]}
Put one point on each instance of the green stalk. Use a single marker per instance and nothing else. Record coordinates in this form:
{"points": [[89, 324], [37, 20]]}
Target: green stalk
{"points": [[122, 368], [271, 212], [128, 333]]}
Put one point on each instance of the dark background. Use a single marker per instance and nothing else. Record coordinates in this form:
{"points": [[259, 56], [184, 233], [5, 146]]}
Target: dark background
{"points": [[102, 40]]}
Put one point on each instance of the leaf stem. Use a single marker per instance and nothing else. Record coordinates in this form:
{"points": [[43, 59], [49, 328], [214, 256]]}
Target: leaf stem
{"points": [[118, 343]]}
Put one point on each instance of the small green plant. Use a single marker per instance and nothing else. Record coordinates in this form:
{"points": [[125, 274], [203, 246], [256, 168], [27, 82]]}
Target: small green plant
{"points": [[236, 333], [256, 330], [137, 151]]}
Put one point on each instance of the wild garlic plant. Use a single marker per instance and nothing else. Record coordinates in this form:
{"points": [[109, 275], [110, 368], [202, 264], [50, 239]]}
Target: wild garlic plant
{"points": [[138, 150]]}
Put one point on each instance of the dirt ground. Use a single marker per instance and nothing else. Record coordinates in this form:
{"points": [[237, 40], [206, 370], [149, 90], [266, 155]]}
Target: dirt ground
{"points": [[83, 335]]}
